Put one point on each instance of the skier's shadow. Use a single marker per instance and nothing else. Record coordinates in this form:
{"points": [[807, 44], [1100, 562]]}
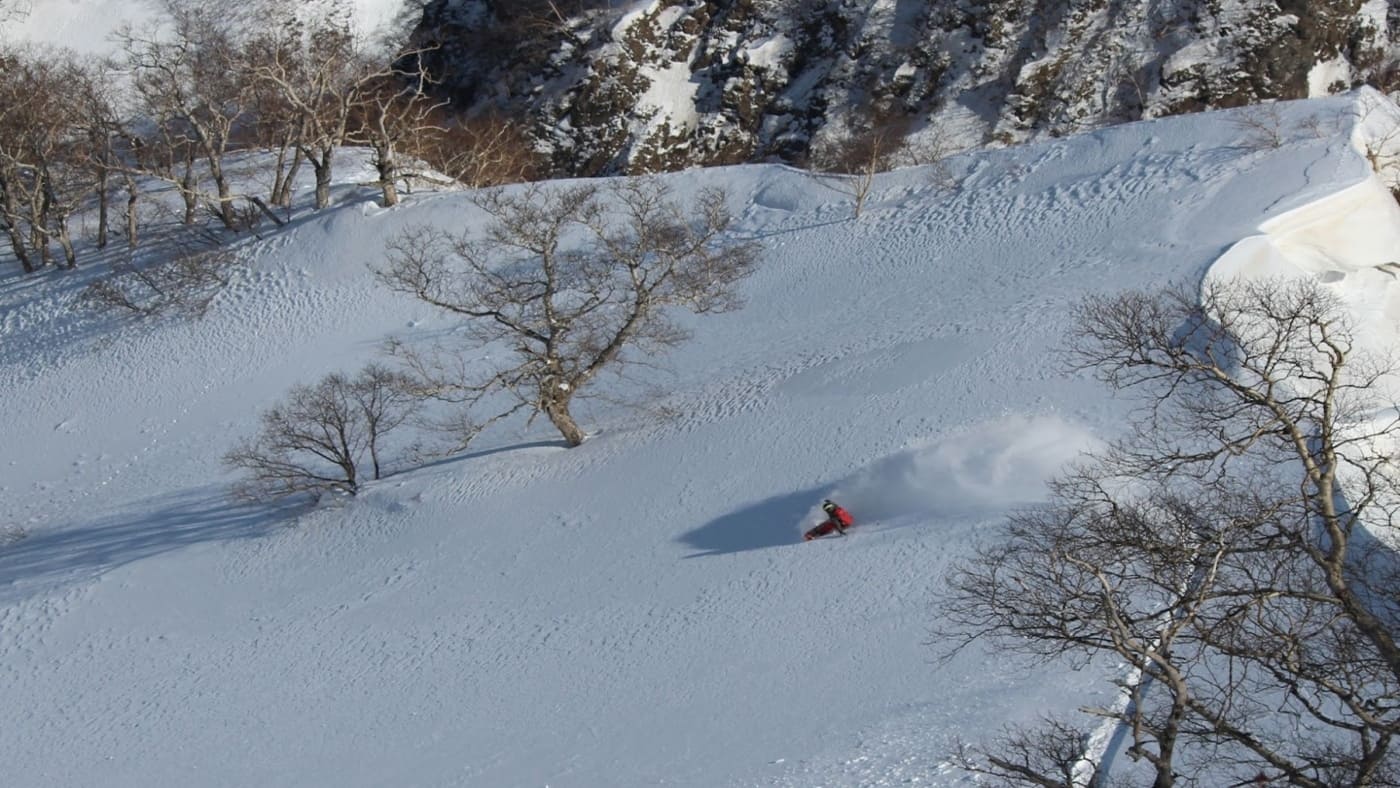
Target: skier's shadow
{"points": [[776, 521]]}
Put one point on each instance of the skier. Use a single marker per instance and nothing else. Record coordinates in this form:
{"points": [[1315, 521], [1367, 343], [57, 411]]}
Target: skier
{"points": [[837, 519]]}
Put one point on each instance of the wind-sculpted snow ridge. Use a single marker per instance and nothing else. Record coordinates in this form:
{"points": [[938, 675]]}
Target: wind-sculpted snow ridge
{"points": [[1347, 240], [639, 610]]}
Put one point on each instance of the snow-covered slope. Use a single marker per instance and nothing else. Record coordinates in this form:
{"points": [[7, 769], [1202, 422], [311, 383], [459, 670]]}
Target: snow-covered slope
{"points": [[639, 610]]}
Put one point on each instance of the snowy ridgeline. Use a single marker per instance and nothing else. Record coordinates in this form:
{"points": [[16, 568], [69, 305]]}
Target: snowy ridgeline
{"points": [[639, 610]]}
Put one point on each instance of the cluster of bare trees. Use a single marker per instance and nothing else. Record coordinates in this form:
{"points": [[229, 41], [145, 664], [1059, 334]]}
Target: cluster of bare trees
{"points": [[563, 285], [320, 438], [224, 116], [51, 153], [1236, 551]]}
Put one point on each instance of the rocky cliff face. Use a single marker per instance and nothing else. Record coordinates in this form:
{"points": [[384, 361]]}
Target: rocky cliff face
{"points": [[663, 84]]}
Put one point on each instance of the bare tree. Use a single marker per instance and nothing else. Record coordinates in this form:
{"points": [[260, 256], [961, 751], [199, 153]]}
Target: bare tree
{"points": [[1263, 126], [276, 122], [196, 86], [165, 152], [489, 150], [113, 152], [1230, 549], [396, 113], [570, 283], [15, 110], [848, 162], [313, 74], [316, 440], [332, 85], [535, 17], [44, 160], [386, 399], [1049, 755], [1087, 577]]}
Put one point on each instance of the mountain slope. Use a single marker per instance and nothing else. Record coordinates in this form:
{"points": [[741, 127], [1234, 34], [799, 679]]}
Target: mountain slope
{"points": [[605, 87], [662, 84], [640, 610]]}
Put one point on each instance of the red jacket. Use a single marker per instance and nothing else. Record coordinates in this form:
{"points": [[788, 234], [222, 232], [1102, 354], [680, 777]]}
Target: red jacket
{"points": [[837, 519]]}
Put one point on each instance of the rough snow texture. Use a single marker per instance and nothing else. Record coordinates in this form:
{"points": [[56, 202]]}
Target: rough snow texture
{"points": [[662, 84], [639, 610]]}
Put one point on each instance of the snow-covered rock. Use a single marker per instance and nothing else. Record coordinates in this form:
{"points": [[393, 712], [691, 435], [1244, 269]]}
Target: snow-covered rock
{"points": [[663, 84]]}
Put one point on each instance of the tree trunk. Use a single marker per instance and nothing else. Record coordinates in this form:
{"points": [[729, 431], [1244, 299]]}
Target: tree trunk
{"points": [[103, 199], [65, 240], [279, 178], [322, 166], [40, 243], [384, 163], [9, 208], [187, 192], [374, 454], [352, 482], [55, 225], [18, 246], [283, 198], [225, 202], [39, 227], [557, 409], [323, 187], [132, 194]]}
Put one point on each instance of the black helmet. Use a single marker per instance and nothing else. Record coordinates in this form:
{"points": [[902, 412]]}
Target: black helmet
{"points": [[828, 506]]}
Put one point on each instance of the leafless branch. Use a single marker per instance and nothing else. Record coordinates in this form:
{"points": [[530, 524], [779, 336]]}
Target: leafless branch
{"points": [[565, 284]]}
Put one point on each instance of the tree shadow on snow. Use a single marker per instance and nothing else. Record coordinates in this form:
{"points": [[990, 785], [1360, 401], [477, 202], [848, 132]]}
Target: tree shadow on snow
{"points": [[759, 235], [1375, 569], [776, 521], [476, 454], [83, 552]]}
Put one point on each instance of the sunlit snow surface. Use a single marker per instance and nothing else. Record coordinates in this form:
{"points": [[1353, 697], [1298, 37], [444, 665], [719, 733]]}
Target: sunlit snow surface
{"points": [[90, 26], [640, 610]]}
